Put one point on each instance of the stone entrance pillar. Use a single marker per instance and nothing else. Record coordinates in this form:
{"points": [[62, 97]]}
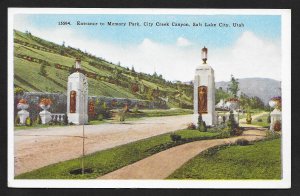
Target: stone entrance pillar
{"points": [[204, 92], [77, 97]]}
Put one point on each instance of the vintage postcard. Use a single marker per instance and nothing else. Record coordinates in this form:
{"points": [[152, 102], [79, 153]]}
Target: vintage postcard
{"points": [[149, 98]]}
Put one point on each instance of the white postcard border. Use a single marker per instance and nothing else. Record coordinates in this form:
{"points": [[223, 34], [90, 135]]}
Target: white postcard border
{"points": [[213, 184]]}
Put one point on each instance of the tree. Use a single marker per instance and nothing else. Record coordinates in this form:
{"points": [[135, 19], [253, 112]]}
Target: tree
{"points": [[132, 69], [233, 86]]}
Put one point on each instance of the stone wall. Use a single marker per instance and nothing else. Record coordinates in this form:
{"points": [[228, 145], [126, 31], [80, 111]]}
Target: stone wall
{"points": [[60, 102]]}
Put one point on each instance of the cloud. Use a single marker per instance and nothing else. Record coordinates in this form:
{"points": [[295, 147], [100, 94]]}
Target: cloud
{"points": [[183, 42], [248, 56]]}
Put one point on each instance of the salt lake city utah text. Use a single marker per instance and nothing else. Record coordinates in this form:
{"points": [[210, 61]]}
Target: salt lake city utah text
{"points": [[153, 24]]}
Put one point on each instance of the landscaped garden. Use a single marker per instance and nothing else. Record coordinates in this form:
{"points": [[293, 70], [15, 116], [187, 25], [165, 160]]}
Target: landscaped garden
{"points": [[260, 160]]}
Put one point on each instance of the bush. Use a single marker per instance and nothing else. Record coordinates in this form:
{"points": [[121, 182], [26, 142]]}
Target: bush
{"points": [[272, 135], [191, 126], [135, 109], [28, 121], [259, 120], [100, 117], [121, 115], [38, 120], [175, 137], [242, 142], [232, 125], [66, 119], [17, 120], [277, 126], [18, 91], [201, 124]]}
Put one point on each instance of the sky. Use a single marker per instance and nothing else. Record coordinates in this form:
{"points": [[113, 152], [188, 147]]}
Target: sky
{"points": [[253, 50]]}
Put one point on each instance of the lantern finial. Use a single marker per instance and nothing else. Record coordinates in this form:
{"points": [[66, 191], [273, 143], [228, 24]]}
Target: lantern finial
{"points": [[204, 54]]}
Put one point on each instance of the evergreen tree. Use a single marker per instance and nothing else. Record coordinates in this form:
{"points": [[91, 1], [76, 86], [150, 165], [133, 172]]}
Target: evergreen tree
{"points": [[201, 124], [234, 86]]}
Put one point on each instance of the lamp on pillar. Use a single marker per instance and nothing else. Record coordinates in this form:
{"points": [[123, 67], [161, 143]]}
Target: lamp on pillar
{"points": [[204, 54], [77, 63]]}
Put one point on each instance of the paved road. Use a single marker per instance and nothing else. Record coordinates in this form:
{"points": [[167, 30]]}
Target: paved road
{"points": [[36, 148]]}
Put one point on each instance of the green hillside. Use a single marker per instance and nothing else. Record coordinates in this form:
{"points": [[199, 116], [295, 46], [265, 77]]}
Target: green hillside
{"points": [[32, 54]]}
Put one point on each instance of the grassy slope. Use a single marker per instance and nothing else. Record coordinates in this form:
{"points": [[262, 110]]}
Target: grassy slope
{"points": [[109, 160], [27, 76], [258, 161]]}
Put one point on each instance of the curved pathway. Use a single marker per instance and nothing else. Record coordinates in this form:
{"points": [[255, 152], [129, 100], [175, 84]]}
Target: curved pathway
{"points": [[163, 164]]}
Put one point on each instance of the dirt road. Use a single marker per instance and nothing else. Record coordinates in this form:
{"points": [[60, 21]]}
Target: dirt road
{"points": [[36, 148]]}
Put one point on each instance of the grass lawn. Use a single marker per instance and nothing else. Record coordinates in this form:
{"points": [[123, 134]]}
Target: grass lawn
{"points": [[105, 161], [263, 119], [157, 113], [262, 160]]}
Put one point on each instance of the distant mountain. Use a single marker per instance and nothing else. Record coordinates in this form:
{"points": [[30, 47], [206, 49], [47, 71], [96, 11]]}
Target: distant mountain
{"points": [[264, 88]]}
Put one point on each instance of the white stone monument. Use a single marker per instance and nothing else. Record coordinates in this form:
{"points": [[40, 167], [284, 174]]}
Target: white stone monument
{"points": [[204, 92], [275, 116], [77, 96]]}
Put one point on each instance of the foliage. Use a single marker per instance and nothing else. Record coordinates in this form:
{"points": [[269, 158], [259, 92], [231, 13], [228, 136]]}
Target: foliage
{"points": [[100, 117], [17, 120], [18, 91], [191, 126], [233, 86], [38, 120], [221, 94], [65, 119], [175, 137], [263, 161], [121, 115], [231, 124], [201, 124], [277, 126], [248, 118], [28, 121], [242, 142], [135, 109]]}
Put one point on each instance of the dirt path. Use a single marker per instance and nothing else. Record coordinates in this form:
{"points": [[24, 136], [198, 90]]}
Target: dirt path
{"points": [[163, 164], [36, 148]]}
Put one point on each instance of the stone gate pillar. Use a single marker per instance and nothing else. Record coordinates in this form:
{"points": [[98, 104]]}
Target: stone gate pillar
{"points": [[204, 92]]}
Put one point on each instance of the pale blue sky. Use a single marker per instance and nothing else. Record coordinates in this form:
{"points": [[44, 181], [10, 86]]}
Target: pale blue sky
{"points": [[251, 51], [264, 26]]}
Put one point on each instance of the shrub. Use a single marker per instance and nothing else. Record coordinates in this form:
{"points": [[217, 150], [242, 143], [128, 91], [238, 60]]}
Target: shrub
{"points": [[191, 126], [65, 119], [232, 125], [17, 120], [100, 117], [121, 115], [242, 142], [259, 120], [135, 109], [272, 135], [175, 137], [201, 124], [277, 126], [18, 91], [28, 121], [38, 120]]}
